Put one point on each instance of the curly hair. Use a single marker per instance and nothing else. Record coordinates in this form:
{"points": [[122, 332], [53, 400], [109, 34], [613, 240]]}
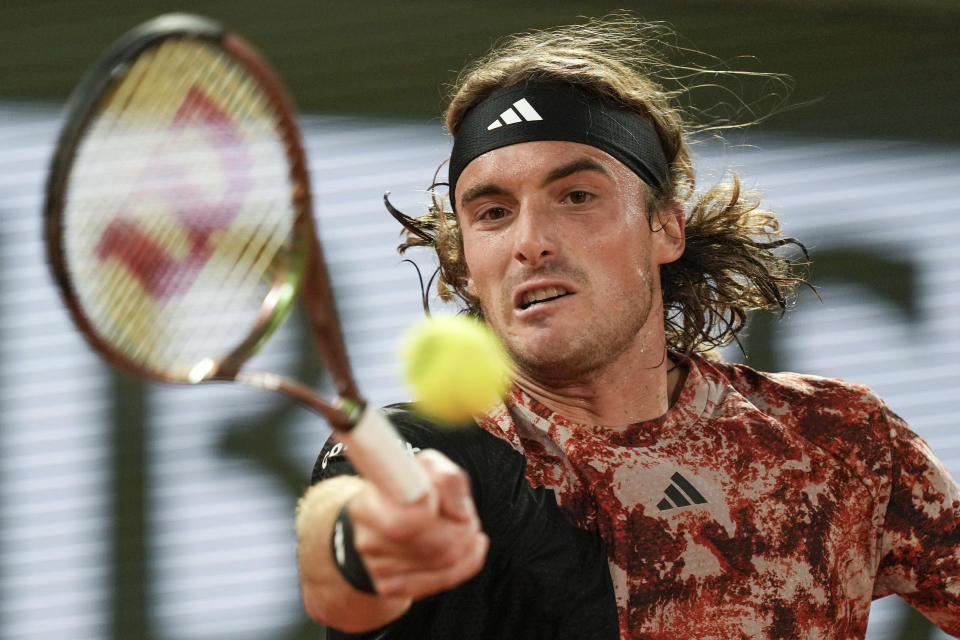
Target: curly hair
{"points": [[730, 265]]}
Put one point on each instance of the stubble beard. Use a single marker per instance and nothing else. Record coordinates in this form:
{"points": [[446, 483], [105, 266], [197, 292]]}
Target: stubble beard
{"points": [[582, 356]]}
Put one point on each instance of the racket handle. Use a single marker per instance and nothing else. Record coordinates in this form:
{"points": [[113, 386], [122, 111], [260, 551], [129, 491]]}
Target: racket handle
{"points": [[381, 457]]}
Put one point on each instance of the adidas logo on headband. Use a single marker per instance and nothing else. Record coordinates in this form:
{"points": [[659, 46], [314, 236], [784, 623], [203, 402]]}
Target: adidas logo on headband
{"points": [[520, 111], [570, 114]]}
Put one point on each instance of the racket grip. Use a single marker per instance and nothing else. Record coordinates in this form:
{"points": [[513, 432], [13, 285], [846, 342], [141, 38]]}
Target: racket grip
{"points": [[381, 457]]}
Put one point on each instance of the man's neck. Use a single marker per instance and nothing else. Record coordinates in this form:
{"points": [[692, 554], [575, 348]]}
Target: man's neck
{"points": [[633, 389]]}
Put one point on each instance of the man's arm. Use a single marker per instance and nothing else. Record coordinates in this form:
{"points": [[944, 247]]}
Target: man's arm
{"points": [[409, 551], [327, 597], [920, 546]]}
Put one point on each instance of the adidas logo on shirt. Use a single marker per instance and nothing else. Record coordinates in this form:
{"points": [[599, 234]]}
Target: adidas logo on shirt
{"points": [[680, 493], [521, 111]]}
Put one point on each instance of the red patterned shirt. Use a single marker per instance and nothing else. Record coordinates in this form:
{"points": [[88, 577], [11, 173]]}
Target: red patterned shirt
{"points": [[760, 506]]}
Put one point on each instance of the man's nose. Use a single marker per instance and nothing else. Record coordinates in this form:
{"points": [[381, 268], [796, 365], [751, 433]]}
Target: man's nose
{"points": [[534, 239]]}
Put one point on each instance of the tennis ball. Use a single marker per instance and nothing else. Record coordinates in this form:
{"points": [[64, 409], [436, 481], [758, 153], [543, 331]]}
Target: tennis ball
{"points": [[455, 366]]}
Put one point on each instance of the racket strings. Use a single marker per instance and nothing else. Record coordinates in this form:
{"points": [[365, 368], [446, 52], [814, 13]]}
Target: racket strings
{"points": [[262, 247], [179, 213], [132, 315]]}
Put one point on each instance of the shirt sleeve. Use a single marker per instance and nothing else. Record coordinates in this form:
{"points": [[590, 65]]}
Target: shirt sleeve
{"points": [[920, 542]]}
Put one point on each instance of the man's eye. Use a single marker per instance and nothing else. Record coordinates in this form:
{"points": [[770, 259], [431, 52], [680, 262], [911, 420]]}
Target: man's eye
{"points": [[578, 197], [493, 213]]}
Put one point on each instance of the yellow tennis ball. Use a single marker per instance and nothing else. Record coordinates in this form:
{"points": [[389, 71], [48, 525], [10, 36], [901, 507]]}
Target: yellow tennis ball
{"points": [[455, 366]]}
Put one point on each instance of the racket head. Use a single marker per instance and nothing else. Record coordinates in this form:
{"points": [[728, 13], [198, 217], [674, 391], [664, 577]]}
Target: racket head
{"points": [[178, 217]]}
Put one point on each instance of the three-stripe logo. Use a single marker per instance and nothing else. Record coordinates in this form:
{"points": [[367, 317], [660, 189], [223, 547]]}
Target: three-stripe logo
{"points": [[520, 111], [680, 493]]}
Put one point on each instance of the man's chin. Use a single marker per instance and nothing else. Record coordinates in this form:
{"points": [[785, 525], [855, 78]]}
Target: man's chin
{"points": [[550, 349], [555, 362]]}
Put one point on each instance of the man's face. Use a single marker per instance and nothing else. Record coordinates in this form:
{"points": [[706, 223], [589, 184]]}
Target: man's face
{"points": [[561, 256]]}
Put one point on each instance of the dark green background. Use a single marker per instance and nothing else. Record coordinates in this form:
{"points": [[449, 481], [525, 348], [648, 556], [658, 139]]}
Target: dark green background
{"points": [[861, 68]]}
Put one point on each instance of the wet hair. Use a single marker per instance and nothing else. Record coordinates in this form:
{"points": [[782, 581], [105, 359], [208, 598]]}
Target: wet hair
{"points": [[731, 264]]}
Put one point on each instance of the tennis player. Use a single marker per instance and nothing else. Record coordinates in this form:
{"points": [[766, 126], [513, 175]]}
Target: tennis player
{"points": [[628, 487]]}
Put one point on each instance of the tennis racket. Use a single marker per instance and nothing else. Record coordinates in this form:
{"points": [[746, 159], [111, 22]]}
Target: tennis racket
{"points": [[179, 226]]}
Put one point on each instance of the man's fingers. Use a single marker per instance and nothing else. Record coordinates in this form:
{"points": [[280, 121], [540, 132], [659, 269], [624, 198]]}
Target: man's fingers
{"points": [[449, 498], [418, 584], [452, 485], [434, 551], [436, 535], [381, 518]]}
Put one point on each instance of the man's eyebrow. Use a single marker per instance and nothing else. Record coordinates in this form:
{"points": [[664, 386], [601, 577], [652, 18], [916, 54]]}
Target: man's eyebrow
{"points": [[480, 190], [578, 165], [581, 164]]}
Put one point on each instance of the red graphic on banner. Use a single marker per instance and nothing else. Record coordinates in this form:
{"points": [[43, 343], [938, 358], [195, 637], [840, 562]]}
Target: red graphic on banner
{"points": [[198, 212]]}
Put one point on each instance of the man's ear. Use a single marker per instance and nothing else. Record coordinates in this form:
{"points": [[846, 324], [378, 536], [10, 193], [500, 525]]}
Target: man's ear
{"points": [[670, 239]]}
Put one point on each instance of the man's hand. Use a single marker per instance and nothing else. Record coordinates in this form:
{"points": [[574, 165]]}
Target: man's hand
{"points": [[409, 550], [415, 550]]}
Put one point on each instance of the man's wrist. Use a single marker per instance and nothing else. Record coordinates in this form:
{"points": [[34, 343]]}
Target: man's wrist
{"points": [[345, 555]]}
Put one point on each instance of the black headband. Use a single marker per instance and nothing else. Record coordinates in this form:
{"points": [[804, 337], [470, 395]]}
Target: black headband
{"points": [[557, 111]]}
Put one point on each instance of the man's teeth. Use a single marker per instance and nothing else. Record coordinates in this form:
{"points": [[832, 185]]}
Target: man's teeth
{"points": [[539, 295]]}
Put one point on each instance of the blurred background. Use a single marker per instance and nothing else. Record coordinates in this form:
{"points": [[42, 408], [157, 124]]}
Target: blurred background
{"points": [[138, 511]]}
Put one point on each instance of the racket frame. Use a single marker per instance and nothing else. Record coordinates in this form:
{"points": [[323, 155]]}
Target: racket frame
{"points": [[371, 442], [81, 111]]}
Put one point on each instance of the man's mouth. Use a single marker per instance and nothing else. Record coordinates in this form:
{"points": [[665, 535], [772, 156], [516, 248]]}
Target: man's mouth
{"points": [[537, 296]]}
